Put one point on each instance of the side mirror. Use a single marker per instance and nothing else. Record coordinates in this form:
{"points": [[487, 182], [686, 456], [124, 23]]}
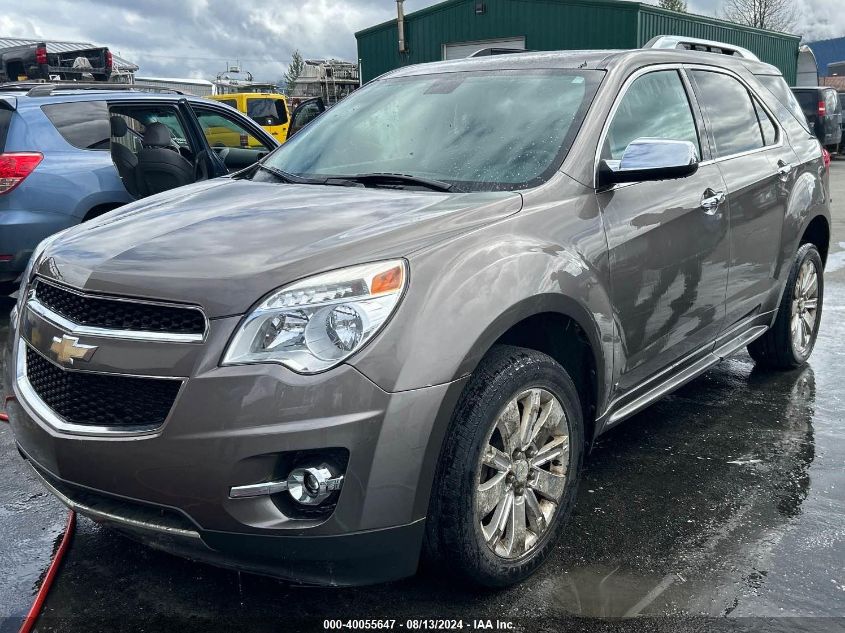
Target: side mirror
{"points": [[650, 159]]}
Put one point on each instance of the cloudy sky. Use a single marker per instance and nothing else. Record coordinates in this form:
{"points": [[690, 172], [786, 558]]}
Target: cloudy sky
{"points": [[195, 38]]}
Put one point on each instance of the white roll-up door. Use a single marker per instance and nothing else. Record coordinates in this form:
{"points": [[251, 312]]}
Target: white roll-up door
{"points": [[459, 50]]}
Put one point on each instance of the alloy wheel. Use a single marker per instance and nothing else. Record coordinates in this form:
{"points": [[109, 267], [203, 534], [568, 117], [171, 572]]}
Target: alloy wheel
{"points": [[522, 473], [805, 304]]}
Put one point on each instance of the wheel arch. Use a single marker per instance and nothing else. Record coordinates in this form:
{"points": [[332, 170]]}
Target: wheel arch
{"points": [[515, 327], [817, 232], [564, 329], [99, 209]]}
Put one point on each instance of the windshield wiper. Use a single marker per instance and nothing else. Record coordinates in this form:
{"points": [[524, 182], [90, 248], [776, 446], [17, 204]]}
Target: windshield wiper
{"points": [[384, 178], [291, 178]]}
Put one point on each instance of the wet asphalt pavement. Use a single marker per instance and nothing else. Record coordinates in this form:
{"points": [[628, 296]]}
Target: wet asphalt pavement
{"points": [[720, 507]]}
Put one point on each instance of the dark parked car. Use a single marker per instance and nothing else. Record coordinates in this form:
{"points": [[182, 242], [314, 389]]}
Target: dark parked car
{"points": [[37, 61], [842, 104], [404, 328], [823, 109], [71, 152]]}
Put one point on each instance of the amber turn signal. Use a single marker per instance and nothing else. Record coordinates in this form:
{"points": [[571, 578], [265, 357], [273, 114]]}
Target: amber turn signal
{"points": [[388, 281]]}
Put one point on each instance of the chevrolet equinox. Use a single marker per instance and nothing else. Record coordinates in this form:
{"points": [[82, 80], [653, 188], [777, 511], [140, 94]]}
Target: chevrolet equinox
{"points": [[400, 332]]}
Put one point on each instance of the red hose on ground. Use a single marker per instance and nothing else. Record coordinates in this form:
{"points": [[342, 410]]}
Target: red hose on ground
{"points": [[4, 417], [52, 571]]}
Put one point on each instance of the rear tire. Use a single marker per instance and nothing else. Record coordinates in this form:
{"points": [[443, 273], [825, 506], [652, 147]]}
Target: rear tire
{"points": [[509, 469], [790, 341]]}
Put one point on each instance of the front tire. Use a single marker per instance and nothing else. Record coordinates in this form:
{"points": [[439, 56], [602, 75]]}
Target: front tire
{"points": [[509, 469], [790, 341]]}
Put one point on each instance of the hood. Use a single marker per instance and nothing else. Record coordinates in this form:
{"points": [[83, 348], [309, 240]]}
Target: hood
{"points": [[224, 244]]}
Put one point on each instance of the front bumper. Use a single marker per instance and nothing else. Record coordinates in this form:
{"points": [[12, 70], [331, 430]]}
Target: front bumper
{"points": [[228, 427], [342, 560]]}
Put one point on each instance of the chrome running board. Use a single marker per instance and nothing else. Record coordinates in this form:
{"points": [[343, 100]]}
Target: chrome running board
{"points": [[686, 375]]}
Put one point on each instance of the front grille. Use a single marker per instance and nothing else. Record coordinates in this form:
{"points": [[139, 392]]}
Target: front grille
{"points": [[119, 315], [90, 399]]}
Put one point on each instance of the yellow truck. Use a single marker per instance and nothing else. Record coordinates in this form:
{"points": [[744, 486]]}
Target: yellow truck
{"points": [[269, 110]]}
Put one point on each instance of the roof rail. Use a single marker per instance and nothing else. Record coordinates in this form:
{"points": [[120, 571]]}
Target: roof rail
{"points": [[696, 44], [43, 89], [484, 52]]}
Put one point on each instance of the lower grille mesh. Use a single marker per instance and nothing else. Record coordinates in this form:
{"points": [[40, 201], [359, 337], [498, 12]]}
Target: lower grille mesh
{"points": [[99, 399]]}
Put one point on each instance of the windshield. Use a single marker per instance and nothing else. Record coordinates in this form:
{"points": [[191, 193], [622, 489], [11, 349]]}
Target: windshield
{"points": [[477, 131]]}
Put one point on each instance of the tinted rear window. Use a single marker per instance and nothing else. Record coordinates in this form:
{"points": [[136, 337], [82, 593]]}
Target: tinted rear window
{"points": [[809, 100], [83, 124], [230, 102]]}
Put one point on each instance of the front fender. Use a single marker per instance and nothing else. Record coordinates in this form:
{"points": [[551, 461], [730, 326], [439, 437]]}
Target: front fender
{"points": [[465, 294]]}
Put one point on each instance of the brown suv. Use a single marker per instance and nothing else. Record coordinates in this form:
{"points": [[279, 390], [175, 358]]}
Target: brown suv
{"points": [[403, 329]]}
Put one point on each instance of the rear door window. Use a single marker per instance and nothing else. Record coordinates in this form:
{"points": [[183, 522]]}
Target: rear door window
{"points": [[267, 111], [730, 113], [83, 124]]}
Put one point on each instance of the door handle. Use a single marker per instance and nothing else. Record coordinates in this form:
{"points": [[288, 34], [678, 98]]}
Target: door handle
{"points": [[711, 200], [784, 169]]}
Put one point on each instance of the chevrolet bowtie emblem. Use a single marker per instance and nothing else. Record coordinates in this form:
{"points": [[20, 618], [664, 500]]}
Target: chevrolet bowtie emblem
{"points": [[68, 349]]}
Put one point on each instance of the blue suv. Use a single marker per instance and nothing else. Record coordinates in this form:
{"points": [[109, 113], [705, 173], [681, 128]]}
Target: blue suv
{"points": [[69, 153]]}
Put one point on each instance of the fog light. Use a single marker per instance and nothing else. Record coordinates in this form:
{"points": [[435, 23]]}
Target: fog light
{"points": [[306, 485], [311, 486]]}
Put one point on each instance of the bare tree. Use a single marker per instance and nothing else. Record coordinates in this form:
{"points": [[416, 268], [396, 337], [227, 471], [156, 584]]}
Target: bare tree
{"points": [[776, 15], [673, 5]]}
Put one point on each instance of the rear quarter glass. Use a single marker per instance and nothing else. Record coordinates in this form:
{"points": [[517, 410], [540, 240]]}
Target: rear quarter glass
{"points": [[776, 85], [83, 124], [5, 123]]}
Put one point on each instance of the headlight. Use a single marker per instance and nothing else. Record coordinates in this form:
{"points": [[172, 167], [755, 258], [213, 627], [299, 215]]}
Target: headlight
{"points": [[317, 323]]}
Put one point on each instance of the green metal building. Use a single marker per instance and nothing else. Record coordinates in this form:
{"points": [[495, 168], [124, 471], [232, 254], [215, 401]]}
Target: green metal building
{"points": [[456, 28]]}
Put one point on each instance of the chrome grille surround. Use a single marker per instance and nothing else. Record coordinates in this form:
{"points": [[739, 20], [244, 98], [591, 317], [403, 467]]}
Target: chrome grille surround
{"points": [[61, 385], [82, 329]]}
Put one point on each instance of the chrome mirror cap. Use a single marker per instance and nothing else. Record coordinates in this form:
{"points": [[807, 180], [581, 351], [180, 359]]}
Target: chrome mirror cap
{"points": [[653, 153], [650, 159]]}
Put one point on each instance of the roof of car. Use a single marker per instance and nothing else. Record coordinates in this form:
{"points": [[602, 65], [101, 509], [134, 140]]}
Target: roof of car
{"points": [[68, 95], [587, 59]]}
